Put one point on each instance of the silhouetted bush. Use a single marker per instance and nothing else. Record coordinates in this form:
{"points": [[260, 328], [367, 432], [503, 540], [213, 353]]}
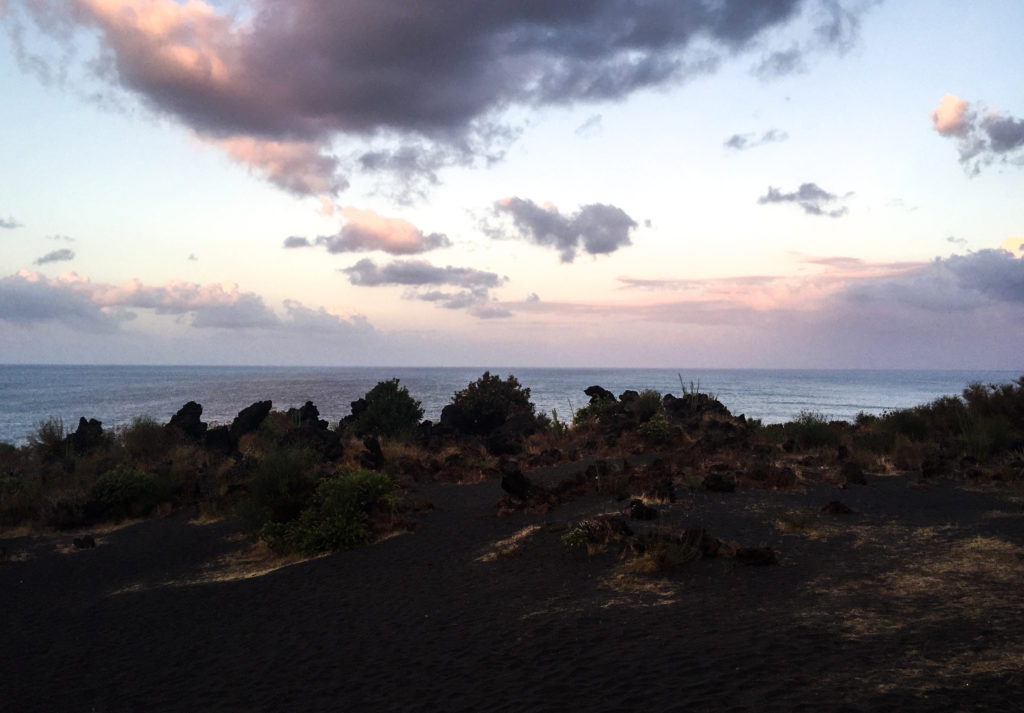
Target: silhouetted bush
{"points": [[811, 430], [388, 411], [487, 404]]}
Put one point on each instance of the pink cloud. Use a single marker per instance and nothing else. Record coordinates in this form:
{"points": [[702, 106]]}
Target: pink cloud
{"points": [[952, 117], [299, 167], [366, 230]]}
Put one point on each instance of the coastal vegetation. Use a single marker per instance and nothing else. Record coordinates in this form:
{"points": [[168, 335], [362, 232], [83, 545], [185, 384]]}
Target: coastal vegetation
{"points": [[304, 485]]}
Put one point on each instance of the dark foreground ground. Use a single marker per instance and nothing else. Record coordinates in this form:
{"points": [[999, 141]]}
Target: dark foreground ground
{"points": [[914, 603]]}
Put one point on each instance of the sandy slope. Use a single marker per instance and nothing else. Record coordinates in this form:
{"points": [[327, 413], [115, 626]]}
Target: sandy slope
{"points": [[913, 604]]}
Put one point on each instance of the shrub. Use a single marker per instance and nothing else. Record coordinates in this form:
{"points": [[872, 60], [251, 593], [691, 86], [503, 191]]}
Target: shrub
{"points": [[337, 517], [657, 429], [647, 405], [811, 430], [595, 411], [145, 440], [123, 492], [50, 440], [282, 485], [389, 411], [486, 404], [907, 422]]}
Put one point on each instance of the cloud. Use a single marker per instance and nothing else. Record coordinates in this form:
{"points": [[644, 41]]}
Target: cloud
{"points": [[596, 229], [277, 82], [61, 238], [811, 197], [28, 298], [366, 273], [591, 127], [298, 167], [75, 300], [192, 257], [983, 137], [9, 223], [62, 255], [473, 286], [742, 142], [365, 230], [296, 241]]}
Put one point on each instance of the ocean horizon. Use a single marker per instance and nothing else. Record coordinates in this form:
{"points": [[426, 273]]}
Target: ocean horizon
{"points": [[115, 394]]}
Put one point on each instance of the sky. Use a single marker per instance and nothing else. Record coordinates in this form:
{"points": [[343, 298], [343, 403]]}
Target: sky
{"points": [[657, 183]]}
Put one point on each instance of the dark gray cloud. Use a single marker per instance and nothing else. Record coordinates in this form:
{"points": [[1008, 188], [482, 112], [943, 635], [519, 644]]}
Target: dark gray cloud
{"points": [[306, 71], [595, 229], [295, 241], [994, 273], [62, 255], [742, 142], [426, 283], [980, 141], [418, 273], [9, 223], [812, 198], [28, 299]]}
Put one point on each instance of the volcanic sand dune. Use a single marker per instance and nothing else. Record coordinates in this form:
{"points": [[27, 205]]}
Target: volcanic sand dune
{"points": [[912, 603]]}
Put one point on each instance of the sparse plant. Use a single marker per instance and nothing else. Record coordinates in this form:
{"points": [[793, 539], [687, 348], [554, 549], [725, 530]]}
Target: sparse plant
{"points": [[576, 538], [145, 440], [798, 521]]}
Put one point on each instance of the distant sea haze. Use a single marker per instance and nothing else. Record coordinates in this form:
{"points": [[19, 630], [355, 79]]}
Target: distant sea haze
{"points": [[114, 395]]}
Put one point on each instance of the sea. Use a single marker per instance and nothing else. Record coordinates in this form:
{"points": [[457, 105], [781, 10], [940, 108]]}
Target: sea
{"points": [[114, 395]]}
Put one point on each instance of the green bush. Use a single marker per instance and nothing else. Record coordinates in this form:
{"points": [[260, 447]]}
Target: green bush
{"points": [[337, 517], [389, 411], [595, 411], [657, 429], [282, 485], [123, 492], [486, 404], [907, 422]]}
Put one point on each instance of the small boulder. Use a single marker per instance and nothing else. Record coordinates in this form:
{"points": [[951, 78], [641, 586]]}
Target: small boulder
{"points": [[719, 483], [86, 542], [639, 511], [837, 508], [852, 474]]}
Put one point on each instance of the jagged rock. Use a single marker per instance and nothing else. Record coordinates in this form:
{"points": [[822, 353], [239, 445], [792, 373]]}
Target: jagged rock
{"points": [[88, 437], [597, 393], [249, 419], [187, 419], [756, 556], [719, 483], [639, 511], [852, 474], [373, 457], [507, 439], [308, 416], [86, 542]]}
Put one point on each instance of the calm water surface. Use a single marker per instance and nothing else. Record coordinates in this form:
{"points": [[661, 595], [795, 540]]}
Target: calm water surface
{"points": [[116, 394]]}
